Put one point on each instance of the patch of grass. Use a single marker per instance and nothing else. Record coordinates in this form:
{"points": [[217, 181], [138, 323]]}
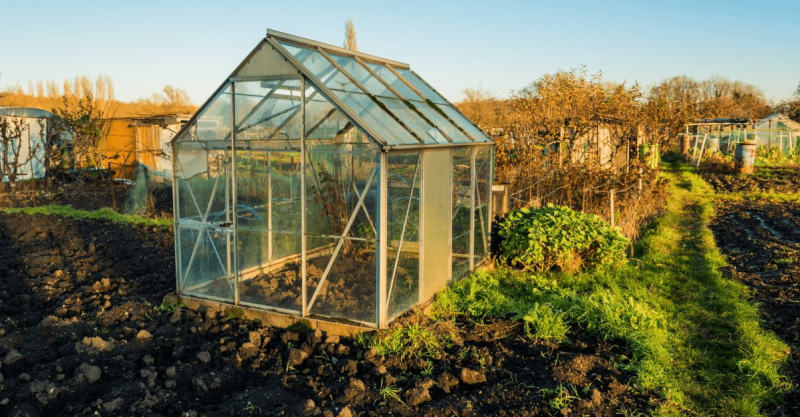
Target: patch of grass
{"points": [[104, 213], [300, 326], [696, 339], [408, 340], [169, 304]]}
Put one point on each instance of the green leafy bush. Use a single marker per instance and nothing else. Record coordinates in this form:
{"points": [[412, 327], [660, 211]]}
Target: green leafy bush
{"points": [[556, 237]]}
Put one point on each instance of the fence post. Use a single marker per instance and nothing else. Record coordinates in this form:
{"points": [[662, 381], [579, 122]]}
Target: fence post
{"points": [[111, 186], [640, 179], [612, 207]]}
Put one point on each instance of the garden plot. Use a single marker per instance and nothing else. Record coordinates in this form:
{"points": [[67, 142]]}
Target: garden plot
{"points": [[84, 332], [762, 243], [764, 179]]}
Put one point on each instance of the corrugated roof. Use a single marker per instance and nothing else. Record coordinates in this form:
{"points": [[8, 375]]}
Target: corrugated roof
{"points": [[24, 112]]}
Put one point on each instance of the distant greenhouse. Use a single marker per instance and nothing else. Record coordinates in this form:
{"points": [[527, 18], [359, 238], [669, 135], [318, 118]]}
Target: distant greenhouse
{"points": [[322, 182], [26, 152]]}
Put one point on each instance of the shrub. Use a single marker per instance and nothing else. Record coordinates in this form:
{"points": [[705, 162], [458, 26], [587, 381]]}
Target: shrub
{"points": [[556, 237]]}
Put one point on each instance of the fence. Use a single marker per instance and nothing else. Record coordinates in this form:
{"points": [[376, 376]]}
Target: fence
{"points": [[625, 197]]}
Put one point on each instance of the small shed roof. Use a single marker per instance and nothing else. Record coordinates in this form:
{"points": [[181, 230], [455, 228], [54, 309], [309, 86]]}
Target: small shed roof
{"points": [[391, 103], [30, 112], [777, 121]]}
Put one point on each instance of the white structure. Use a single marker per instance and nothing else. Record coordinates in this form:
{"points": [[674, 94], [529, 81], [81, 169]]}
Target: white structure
{"points": [[36, 122]]}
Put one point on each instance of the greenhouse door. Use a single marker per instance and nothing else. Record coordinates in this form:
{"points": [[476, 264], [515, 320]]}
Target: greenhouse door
{"points": [[436, 213]]}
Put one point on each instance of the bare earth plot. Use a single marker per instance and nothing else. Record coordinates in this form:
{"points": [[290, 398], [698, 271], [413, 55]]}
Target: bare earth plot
{"points": [[81, 335], [762, 242]]}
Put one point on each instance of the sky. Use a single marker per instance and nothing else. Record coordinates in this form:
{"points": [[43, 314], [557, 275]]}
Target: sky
{"points": [[498, 46]]}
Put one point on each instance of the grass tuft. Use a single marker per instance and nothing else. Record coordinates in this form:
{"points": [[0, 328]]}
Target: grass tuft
{"points": [[104, 213]]}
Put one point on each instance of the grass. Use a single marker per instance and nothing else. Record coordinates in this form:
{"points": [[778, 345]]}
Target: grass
{"points": [[697, 341], [104, 213]]}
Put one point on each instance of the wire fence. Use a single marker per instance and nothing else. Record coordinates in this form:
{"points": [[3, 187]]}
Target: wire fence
{"points": [[626, 197]]}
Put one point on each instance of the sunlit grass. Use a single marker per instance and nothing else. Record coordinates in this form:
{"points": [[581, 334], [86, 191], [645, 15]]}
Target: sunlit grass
{"points": [[697, 341], [101, 214]]}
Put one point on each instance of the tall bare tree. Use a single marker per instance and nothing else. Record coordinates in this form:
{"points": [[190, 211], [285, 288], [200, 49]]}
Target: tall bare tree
{"points": [[350, 41]]}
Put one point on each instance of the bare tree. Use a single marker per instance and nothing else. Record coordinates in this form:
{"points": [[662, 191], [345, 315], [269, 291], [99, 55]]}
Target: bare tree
{"points": [[12, 130], [350, 41], [82, 121]]}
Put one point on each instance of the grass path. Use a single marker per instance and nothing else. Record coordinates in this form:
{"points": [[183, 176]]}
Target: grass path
{"points": [[725, 363], [697, 341]]}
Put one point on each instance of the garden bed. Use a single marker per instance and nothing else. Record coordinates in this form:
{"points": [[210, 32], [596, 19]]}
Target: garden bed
{"points": [[84, 331], [764, 179], [762, 243]]}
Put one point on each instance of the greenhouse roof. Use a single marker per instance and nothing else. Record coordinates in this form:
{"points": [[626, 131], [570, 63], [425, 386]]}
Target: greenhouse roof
{"points": [[388, 101]]}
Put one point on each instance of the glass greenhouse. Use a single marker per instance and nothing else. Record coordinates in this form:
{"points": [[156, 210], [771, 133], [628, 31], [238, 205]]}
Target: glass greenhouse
{"points": [[326, 183]]}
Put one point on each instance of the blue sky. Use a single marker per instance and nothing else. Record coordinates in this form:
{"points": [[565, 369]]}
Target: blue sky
{"points": [[498, 45]]}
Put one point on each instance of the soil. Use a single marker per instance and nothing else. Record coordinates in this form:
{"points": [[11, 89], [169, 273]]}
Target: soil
{"points": [[762, 243], [81, 335], [86, 196], [763, 179]]}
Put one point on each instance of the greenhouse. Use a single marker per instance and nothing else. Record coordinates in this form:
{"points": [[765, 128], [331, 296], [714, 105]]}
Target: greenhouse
{"points": [[325, 183]]}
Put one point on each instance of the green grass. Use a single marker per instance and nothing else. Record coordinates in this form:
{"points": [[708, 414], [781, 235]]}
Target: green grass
{"points": [[104, 213], [697, 341]]}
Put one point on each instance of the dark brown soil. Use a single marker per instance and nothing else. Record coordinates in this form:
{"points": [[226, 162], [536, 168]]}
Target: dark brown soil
{"points": [[81, 336], [763, 179], [762, 243]]}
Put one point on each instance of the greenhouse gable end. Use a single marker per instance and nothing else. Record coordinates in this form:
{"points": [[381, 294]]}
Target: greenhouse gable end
{"points": [[325, 183]]}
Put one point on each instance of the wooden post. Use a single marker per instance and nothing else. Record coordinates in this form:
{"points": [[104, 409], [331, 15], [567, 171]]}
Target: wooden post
{"points": [[111, 186], [612, 207]]}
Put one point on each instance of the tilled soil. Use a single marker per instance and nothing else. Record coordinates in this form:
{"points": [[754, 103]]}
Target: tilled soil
{"points": [[86, 196], [764, 179], [762, 243], [81, 335]]}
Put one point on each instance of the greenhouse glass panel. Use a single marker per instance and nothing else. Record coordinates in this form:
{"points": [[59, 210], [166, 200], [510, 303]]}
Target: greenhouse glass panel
{"points": [[341, 228], [383, 123], [214, 123], [410, 118], [360, 74], [462, 205], [421, 86], [388, 76], [267, 110], [404, 179], [204, 215], [483, 198], [441, 122], [465, 124], [268, 225]]}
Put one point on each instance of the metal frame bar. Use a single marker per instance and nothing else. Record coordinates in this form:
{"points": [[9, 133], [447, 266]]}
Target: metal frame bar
{"points": [[234, 198], [436, 145], [381, 301], [368, 93], [303, 199], [341, 239], [335, 49], [473, 190], [327, 93]]}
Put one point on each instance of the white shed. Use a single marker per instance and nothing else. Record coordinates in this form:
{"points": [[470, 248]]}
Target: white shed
{"points": [[30, 144]]}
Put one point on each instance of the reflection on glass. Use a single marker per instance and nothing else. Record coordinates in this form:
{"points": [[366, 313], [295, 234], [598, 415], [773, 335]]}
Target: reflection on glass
{"points": [[462, 205]]}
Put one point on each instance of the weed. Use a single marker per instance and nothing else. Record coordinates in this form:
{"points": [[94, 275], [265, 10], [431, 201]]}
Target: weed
{"points": [[428, 370], [300, 326], [251, 408], [234, 313], [168, 305], [11, 322], [389, 391]]}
